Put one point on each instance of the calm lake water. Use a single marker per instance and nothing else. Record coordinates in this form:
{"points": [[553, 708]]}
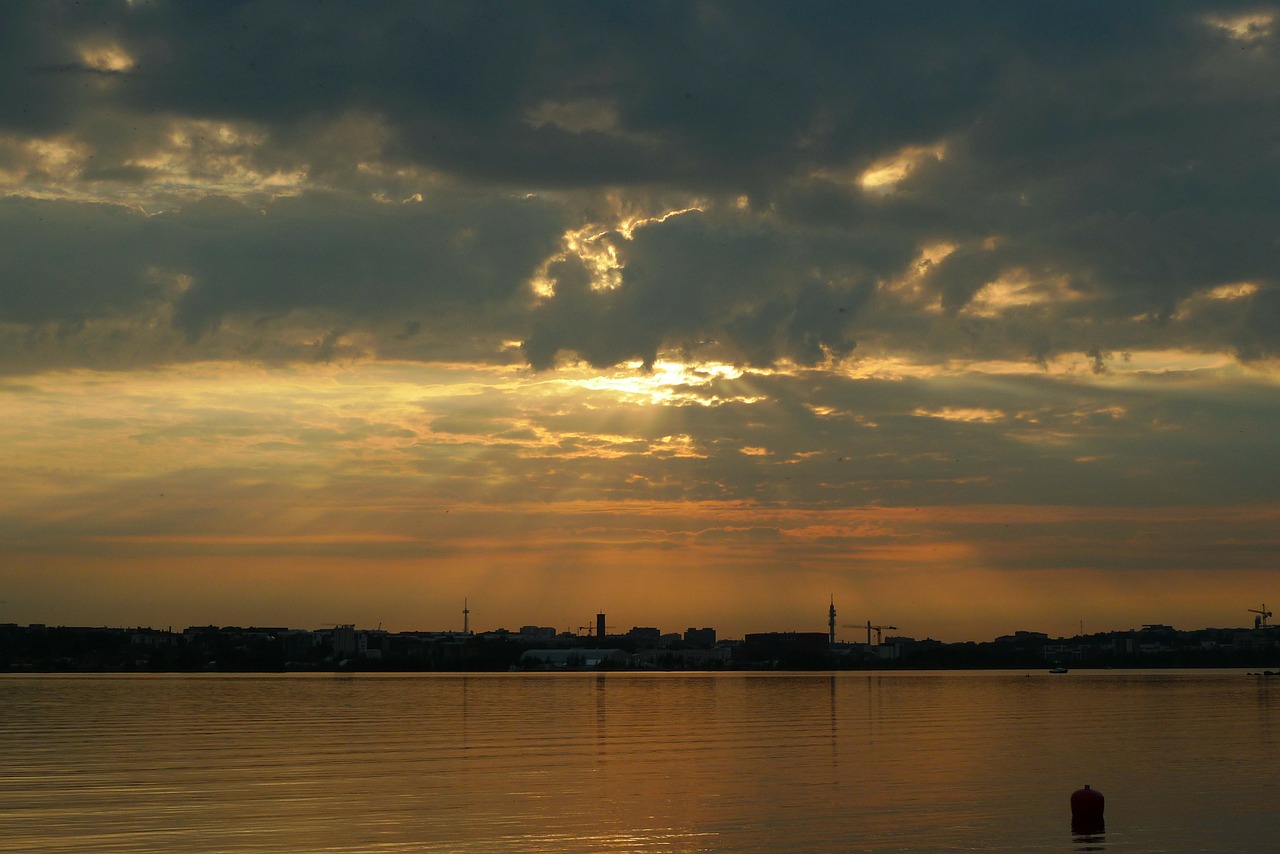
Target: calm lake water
{"points": [[734, 762]]}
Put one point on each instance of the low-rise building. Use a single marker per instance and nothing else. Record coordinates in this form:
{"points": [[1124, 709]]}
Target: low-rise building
{"points": [[555, 659]]}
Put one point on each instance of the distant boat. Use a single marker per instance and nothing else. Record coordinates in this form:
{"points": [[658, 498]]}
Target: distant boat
{"points": [[1058, 669]]}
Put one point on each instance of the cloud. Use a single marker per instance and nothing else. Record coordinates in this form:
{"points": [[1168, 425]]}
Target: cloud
{"points": [[1112, 160], [335, 265], [754, 290]]}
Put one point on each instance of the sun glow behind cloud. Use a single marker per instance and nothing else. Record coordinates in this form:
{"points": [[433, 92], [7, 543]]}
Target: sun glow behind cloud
{"points": [[1245, 28], [106, 57], [969, 416], [667, 382], [912, 287], [885, 175], [595, 246], [1016, 290]]}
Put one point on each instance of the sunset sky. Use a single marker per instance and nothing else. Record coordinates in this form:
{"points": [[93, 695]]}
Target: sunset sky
{"points": [[694, 313]]}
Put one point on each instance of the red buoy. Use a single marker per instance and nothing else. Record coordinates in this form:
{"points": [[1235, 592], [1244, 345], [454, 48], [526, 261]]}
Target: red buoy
{"points": [[1087, 804]]}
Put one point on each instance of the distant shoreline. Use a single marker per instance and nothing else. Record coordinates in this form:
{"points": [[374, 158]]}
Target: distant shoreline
{"points": [[633, 671], [344, 649]]}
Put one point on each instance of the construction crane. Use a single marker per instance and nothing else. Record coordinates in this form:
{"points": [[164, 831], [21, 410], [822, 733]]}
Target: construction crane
{"points": [[1260, 621], [870, 628]]}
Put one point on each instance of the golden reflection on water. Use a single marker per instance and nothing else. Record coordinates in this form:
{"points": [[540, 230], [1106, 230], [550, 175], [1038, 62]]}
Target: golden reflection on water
{"points": [[634, 762]]}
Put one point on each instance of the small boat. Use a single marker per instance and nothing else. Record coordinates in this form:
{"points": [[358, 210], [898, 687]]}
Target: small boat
{"points": [[1058, 669]]}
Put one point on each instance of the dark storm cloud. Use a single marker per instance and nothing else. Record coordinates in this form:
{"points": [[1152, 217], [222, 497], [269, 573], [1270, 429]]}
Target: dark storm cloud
{"points": [[696, 276], [1128, 151], [67, 262], [377, 261], [708, 95], [217, 257]]}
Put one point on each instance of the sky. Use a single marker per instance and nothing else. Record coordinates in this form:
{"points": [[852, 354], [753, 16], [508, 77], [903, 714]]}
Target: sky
{"points": [[692, 313]]}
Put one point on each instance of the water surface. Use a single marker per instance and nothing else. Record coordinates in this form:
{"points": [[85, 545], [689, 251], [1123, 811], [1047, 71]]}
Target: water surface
{"points": [[577, 762]]}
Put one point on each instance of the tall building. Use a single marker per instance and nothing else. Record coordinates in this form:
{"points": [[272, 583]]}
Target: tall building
{"points": [[345, 644], [700, 637]]}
